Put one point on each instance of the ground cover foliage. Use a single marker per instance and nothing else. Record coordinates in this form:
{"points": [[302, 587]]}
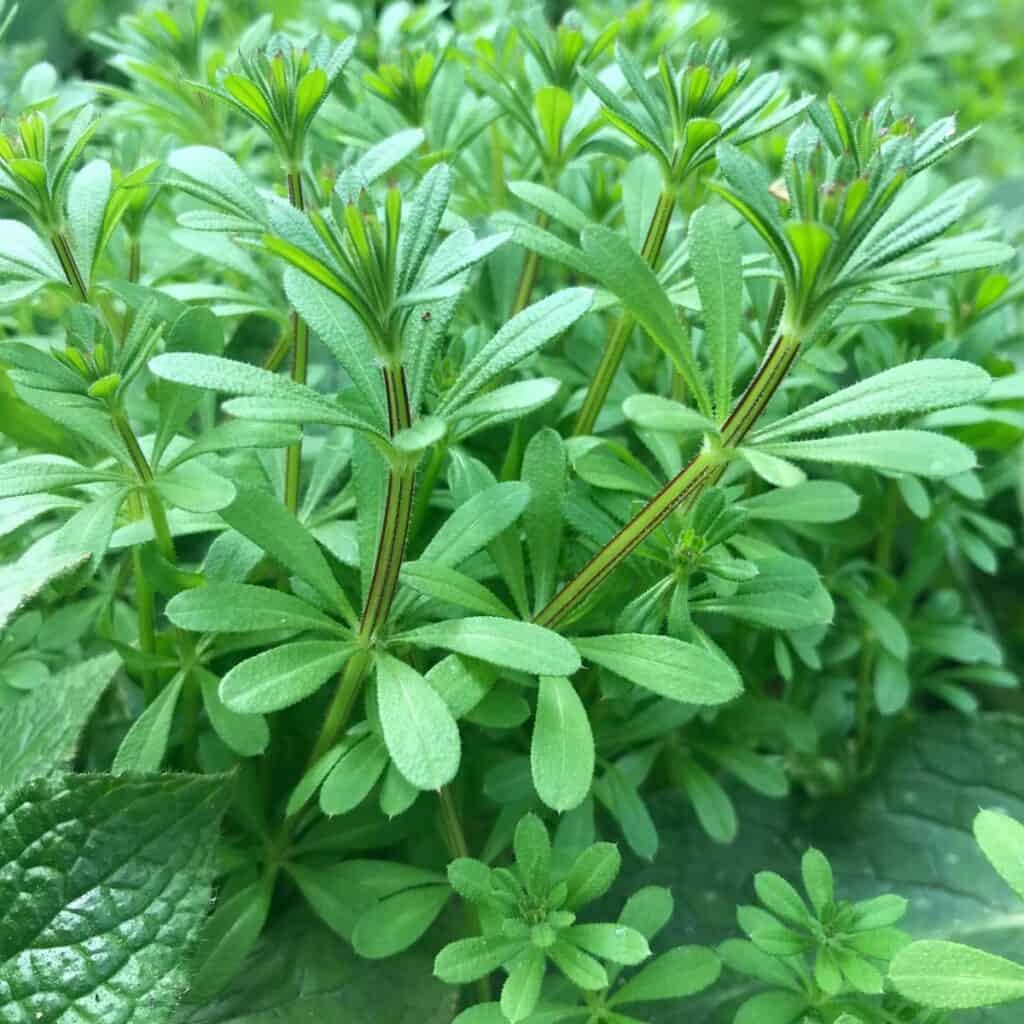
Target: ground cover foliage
{"points": [[510, 514]]}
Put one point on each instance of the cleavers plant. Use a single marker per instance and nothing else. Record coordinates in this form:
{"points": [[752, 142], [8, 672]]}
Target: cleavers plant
{"points": [[598, 359]]}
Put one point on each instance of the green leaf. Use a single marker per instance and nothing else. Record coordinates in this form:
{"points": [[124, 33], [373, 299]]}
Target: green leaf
{"points": [[88, 195], [813, 501], [356, 772], [36, 473], [241, 608], [950, 976], [342, 332], [398, 921], [212, 176], [449, 586], [545, 471], [562, 750], [468, 959], [592, 874], [652, 412], [24, 254], [476, 522], [718, 273], [621, 269], [532, 847], [1001, 839], [143, 748], [523, 335], [893, 451], [817, 876], [247, 735], [554, 105], [580, 968], [228, 936], [517, 645], [664, 665], [281, 399], [421, 223], [552, 203], [128, 885], [648, 910], [302, 971], [21, 582], [282, 676], [338, 900], [677, 974], [521, 991], [914, 388], [614, 942], [195, 488], [39, 733], [419, 730], [264, 520]]}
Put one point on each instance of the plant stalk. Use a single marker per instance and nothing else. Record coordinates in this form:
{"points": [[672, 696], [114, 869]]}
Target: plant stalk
{"points": [[615, 348], [702, 472], [300, 362], [528, 275], [394, 533], [455, 841], [157, 512]]}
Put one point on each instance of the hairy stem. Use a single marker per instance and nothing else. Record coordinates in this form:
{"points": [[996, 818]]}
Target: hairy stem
{"points": [[615, 348], [702, 472], [300, 363], [394, 533]]}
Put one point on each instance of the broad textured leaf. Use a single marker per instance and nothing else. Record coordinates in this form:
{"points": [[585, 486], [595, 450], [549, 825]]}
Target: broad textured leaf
{"points": [[40, 732], [98, 925], [303, 972]]}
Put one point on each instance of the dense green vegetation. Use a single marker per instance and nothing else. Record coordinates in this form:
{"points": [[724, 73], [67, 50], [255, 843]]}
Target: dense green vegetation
{"points": [[511, 514]]}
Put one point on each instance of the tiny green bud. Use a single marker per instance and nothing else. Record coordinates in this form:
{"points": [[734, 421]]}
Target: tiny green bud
{"points": [[105, 386]]}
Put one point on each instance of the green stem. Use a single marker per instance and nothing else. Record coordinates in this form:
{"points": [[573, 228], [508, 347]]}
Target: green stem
{"points": [[455, 841], [702, 472], [527, 276], [157, 512], [425, 489], [134, 259], [146, 609], [615, 348], [300, 362], [283, 345], [69, 264], [394, 533]]}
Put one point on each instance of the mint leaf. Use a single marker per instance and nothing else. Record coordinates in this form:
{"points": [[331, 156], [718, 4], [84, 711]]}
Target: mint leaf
{"points": [[39, 732], [104, 883]]}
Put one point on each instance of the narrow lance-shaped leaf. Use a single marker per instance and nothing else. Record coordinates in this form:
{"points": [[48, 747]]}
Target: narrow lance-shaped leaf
{"points": [[912, 389], [523, 335], [718, 272]]}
